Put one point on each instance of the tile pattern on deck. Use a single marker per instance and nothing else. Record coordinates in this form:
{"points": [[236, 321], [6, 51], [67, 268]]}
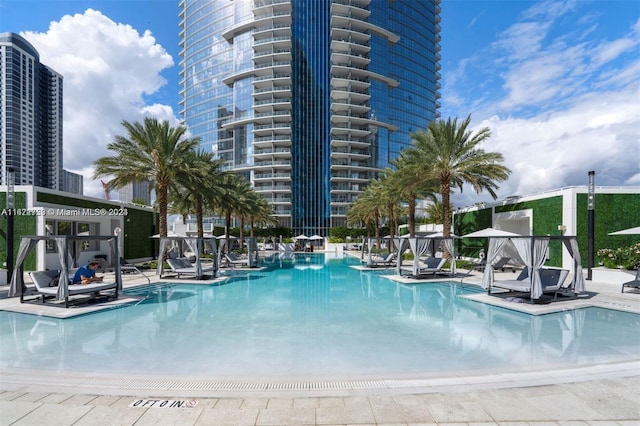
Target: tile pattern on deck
{"points": [[600, 402]]}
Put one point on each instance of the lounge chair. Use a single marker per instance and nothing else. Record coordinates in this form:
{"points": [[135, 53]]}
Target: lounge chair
{"points": [[431, 265], [633, 283], [45, 282], [378, 260], [551, 280], [182, 266], [499, 265], [233, 260], [128, 268]]}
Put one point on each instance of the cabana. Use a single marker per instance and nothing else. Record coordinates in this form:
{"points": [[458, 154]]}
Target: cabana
{"points": [[226, 245], [376, 251], [533, 252], [195, 244], [67, 248], [429, 245]]}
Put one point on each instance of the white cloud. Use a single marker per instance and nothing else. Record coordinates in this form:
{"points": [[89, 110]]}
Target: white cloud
{"points": [[561, 106], [108, 69]]}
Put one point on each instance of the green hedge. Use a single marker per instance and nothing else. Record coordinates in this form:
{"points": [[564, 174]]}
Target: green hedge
{"points": [[22, 225]]}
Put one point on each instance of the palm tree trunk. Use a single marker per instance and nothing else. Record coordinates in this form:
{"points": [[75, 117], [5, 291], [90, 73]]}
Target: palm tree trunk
{"points": [[162, 208], [412, 215], [445, 190], [199, 215]]}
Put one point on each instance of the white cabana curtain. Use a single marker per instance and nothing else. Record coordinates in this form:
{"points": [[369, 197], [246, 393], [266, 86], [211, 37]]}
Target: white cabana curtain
{"points": [[16, 287], [402, 247], [419, 246], [495, 249], [192, 243], [368, 244], [540, 250], [448, 243], [63, 282], [578, 277]]}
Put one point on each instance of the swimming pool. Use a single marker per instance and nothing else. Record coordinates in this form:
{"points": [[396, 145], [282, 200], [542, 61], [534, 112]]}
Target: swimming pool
{"points": [[314, 317]]}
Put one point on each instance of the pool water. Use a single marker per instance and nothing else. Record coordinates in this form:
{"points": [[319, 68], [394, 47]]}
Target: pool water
{"points": [[314, 316]]}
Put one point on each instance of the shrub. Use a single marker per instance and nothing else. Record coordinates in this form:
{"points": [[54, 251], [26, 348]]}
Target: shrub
{"points": [[621, 257]]}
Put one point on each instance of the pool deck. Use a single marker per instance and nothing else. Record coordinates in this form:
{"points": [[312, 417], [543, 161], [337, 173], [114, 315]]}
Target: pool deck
{"points": [[603, 394]]}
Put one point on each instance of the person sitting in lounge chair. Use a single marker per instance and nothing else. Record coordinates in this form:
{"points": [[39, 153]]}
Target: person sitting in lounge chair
{"points": [[87, 274]]}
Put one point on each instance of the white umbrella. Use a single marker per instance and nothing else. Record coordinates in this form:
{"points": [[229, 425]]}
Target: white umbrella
{"points": [[316, 237], [491, 232], [630, 231], [169, 234], [301, 237], [222, 237]]}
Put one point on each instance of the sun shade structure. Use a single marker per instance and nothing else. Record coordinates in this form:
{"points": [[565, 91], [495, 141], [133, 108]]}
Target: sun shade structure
{"points": [[490, 232], [428, 245], [227, 245], [67, 247], [195, 244], [375, 248], [533, 252], [630, 231]]}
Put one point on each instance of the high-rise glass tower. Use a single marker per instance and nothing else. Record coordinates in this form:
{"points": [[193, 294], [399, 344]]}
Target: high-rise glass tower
{"points": [[309, 99], [30, 117]]}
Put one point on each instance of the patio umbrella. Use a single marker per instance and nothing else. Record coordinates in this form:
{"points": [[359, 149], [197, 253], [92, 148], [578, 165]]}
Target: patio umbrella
{"points": [[491, 232], [630, 231], [169, 234], [316, 237], [301, 237]]}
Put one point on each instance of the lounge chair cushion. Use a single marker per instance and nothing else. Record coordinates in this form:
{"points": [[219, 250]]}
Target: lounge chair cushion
{"points": [[42, 279], [434, 262]]}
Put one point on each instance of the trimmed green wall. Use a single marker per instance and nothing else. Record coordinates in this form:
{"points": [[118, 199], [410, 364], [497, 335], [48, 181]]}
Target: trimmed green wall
{"points": [[612, 212], [467, 222], [22, 225]]}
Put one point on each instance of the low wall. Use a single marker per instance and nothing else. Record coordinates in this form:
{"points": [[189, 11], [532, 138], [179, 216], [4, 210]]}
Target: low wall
{"points": [[611, 276]]}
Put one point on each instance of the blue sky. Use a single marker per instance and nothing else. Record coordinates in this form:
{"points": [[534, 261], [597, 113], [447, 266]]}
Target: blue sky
{"points": [[557, 82]]}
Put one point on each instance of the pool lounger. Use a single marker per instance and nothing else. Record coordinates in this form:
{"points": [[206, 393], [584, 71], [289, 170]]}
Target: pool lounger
{"points": [[431, 265], [182, 266], [233, 259], [552, 280], [379, 260], [633, 283], [43, 279]]}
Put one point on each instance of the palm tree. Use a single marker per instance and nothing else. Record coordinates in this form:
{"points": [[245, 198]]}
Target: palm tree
{"points": [[261, 212], [450, 153], [153, 151], [202, 184], [410, 181], [435, 212]]}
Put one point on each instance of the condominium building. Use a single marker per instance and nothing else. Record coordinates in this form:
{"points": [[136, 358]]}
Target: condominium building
{"points": [[73, 182], [31, 116], [309, 99], [139, 191]]}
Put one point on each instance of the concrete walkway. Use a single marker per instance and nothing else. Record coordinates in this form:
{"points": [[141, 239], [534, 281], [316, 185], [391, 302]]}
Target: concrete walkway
{"points": [[598, 402]]}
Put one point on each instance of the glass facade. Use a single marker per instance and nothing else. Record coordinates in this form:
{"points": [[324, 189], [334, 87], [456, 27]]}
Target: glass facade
{"points": [[309, 99], [31, 116]]}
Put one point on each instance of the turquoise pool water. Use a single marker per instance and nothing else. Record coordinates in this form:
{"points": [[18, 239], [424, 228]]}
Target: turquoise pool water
{"points": [[314, 317]]}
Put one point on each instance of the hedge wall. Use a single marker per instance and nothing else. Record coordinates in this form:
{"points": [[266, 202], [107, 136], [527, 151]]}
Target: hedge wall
{"points": [[22, 225]]}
